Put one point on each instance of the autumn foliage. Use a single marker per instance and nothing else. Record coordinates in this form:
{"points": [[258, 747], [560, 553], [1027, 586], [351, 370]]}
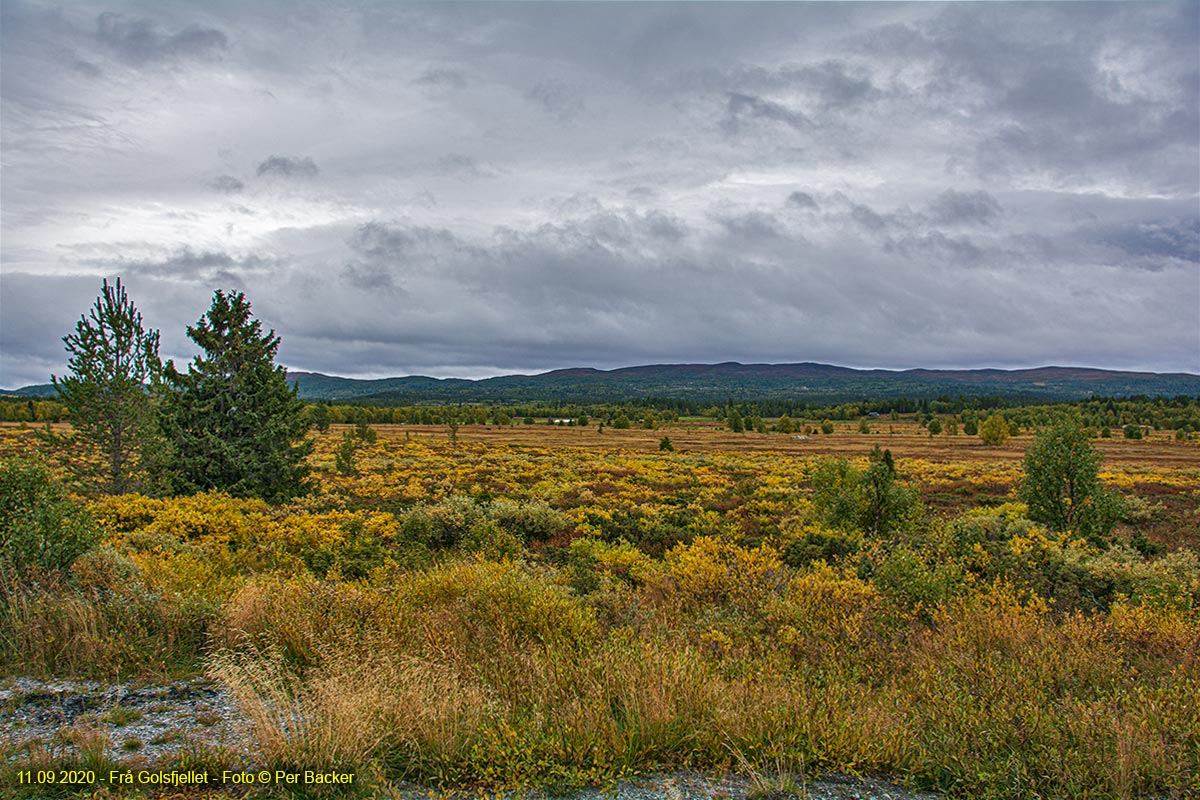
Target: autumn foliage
{"points": [[456, 612]]}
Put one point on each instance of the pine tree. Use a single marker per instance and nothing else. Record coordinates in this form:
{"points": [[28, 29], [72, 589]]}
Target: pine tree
{"points": [[343, 457], [113, 359], [233, 420], [886, 503], [319, 414]]}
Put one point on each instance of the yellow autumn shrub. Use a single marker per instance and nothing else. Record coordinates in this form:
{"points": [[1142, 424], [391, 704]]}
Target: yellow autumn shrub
{"points": [[823, 610], [714, 571], [619, 559], [483, 605]]}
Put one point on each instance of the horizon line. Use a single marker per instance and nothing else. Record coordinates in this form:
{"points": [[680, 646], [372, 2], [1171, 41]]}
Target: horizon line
{"points": [[896, 370]]}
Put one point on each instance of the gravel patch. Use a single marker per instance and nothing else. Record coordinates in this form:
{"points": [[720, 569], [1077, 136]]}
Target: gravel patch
{"points": [[696, 786], [142, 724]]}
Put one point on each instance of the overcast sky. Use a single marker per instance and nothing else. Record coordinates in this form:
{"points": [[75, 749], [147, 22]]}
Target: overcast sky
{"points": [[478, 189]]}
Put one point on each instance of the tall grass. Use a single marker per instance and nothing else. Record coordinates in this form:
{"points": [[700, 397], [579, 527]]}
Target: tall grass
{"points": [[491, 673], [57, 624]]}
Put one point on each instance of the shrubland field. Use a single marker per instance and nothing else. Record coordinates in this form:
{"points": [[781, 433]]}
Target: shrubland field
{"points": [[536, 605]]}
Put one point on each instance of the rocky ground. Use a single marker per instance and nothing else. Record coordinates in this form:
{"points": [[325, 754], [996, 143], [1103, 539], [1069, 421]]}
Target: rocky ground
{"points": [[148, 724], [695, 786]]}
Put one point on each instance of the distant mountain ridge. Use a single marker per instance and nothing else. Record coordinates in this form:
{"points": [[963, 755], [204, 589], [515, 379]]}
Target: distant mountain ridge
{"points": [[734, 380], [804, 381]]}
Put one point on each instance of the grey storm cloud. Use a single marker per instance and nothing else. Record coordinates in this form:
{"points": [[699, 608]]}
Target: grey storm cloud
{"points": [[185, 264], [753, 225], [741, 107], [87, 68], [381, 240], [227, 184], [836, 85], [288, 167], [462, 165], [803, 200], [532, 186], [1162, 242], [868, 217], [370, 277], [556, 97], [938, 245], [831, 84], [449, 78], [139, 40], [952, 207], [664, 225]]}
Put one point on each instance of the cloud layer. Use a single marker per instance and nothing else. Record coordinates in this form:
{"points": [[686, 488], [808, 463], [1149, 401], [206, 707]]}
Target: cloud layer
{"points": [[478, 189]]}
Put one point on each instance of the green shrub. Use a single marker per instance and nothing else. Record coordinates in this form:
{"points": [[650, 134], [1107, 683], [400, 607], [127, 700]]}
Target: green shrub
{"points": [[1143, 545], [836, 492], [909, 580], [870, 501], [532, 521], [827, 546], [489, 540], [354, 554], [40, 527], [451, 519], [1068, 572], [417, 526]]}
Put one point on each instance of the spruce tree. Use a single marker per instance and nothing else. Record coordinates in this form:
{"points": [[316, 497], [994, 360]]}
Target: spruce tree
{"points": [[234, 422], [113, 361]]}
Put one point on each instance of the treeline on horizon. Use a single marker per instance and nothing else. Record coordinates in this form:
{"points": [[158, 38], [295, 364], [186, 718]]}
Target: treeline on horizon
{"points": [[1181, 413]]}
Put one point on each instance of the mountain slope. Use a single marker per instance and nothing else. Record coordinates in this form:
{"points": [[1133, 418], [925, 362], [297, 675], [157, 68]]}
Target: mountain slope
{"points": [[732, 380]]}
